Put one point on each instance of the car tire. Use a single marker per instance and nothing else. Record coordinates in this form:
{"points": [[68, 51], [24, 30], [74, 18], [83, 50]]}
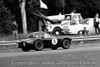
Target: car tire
{"points": [[80, 32], [57, 31], [25, 48], [66, 44], [38, 45]]}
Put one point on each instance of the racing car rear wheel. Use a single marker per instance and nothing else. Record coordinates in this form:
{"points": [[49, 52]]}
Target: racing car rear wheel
{"points": [[38, 45], [66, 44]]}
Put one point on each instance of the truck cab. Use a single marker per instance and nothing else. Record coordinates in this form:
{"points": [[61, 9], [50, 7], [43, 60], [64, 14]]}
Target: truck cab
{"points": [[77, 23]]}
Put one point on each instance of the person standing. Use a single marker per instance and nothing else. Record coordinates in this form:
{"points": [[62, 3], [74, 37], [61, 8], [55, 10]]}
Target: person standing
{"points": [[96, 24], [15, 32]]}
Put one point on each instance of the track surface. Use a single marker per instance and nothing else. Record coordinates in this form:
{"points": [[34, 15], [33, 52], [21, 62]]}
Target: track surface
{"points": [[82, 55]]}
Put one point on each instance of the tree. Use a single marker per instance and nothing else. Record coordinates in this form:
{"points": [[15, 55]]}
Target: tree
{"points": [[14, 7], [88, 8], [31, 6], [55, 6], [23, 14], [5, 19]]}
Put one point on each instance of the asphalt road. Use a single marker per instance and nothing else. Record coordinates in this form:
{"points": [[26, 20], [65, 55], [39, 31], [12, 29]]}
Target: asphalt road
{"points": [[86, 54], [77, 56]]}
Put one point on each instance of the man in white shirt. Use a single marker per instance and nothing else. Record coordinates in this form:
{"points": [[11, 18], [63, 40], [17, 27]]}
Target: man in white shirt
{"points": [[96, 24]]}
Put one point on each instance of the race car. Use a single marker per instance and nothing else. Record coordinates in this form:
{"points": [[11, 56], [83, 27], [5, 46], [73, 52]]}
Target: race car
{"points": [[41, 40]]}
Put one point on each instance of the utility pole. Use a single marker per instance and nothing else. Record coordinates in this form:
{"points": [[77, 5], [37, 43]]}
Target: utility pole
{"points": [[23, 13]]}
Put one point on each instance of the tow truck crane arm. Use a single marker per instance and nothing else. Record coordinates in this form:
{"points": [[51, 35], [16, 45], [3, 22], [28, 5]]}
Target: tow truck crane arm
{"points": [[45, 18]]}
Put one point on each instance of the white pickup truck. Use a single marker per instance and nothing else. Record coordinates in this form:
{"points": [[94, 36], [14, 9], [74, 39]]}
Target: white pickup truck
{"points": [[71, 23], [77, 23]]}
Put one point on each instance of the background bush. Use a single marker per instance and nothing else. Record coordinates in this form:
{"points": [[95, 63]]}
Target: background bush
{"points": [[5, 20]]}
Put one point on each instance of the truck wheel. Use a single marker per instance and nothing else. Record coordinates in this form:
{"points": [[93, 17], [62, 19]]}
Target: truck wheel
{"points": [[38, 45], [66, 44], [80, 32], [57, 31], [54, 47]]}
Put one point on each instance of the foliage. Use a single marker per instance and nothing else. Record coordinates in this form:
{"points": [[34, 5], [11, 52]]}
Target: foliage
{"points": [[88, 8], [5, 20], [32, 6]]}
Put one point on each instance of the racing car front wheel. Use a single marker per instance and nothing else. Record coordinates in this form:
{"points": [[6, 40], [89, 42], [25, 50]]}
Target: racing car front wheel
{"points": [[66, 44], [25, 48], [38, 45]]}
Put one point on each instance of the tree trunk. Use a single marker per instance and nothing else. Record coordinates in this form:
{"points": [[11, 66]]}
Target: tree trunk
{"points": [[24, 20]]}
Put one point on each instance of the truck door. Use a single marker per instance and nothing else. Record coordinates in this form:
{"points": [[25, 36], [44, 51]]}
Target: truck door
{"points": [[74, 25]]}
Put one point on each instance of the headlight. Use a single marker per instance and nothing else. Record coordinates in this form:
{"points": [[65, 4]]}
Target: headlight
{"points": [[30, 36], [36, 35], [33, 36]]}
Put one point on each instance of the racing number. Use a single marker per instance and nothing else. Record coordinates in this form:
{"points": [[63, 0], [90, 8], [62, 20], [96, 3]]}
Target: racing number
{"points": [[54, 41]]}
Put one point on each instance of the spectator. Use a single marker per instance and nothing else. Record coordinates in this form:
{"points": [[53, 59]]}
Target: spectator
{"points": [[96, 24], [15, 32], [85, 32]]}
